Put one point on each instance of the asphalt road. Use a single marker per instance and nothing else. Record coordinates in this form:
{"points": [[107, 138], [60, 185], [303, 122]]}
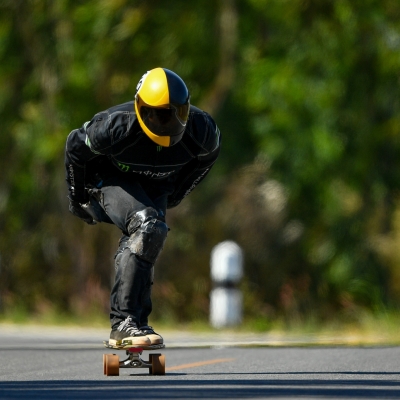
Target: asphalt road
{"points": [[57, 365]]}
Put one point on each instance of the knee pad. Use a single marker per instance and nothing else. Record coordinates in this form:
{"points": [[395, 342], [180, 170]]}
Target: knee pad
{"points": [[147, 234]]}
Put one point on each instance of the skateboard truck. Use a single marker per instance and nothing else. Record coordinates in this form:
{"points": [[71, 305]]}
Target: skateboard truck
{"points": [[134, 360]]}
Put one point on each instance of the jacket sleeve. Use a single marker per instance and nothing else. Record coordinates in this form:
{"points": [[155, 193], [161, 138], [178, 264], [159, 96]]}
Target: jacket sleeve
{"points": [[198, 168], [79, 150]]}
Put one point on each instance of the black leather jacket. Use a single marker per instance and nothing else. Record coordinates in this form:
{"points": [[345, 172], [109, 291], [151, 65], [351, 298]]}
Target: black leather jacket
{"points": [[113, 142]]}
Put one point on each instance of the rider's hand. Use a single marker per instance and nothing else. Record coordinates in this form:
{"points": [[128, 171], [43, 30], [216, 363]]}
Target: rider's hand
{"points": [[76, 209]]}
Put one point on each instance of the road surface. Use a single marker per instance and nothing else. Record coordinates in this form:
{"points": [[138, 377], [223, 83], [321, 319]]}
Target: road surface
{"points": [[56, 365]]}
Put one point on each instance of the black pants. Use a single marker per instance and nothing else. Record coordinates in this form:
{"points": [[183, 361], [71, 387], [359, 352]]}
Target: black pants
{"points": [[115, 200]]}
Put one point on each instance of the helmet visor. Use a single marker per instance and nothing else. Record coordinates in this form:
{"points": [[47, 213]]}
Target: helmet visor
{"points": [[169, 120]]}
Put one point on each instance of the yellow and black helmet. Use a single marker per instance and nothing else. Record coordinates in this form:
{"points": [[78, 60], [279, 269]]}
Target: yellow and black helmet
{"points": [[162, 104]]}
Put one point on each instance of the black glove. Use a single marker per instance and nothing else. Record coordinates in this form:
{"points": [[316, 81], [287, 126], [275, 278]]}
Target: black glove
{"points": [[76, 209]]}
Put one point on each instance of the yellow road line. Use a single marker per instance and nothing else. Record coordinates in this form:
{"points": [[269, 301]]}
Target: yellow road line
{"points": [[199, 364]]}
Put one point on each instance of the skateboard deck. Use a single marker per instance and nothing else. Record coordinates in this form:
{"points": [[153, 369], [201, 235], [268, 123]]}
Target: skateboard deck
{"points": [[112, 363]]}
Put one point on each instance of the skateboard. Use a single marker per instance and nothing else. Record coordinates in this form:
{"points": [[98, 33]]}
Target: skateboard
{"points": [[112, 364]]}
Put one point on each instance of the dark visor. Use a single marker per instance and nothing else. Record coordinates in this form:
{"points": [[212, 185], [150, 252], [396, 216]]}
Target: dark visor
{"points": [[164, 121]]}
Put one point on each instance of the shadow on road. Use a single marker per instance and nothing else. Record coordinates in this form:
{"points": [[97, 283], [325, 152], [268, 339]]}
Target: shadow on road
{"points": [[164, 388]]}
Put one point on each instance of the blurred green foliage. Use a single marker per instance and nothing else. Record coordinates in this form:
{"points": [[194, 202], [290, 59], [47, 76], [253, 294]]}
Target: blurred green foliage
{"points": [[306, 94]]}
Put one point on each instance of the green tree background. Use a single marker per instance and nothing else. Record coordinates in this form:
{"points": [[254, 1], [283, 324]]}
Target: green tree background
{"points": [[306, 94]]}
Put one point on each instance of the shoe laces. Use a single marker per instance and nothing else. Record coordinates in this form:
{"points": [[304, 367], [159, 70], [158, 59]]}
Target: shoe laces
{"points": [[129, 326]]}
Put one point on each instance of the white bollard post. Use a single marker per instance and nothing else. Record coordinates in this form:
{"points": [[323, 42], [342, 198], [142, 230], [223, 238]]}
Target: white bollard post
{"points": [[226, 273]]}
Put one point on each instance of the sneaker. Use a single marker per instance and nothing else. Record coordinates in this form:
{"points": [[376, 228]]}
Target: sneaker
{"points": [[154, 337], [128, 333]]}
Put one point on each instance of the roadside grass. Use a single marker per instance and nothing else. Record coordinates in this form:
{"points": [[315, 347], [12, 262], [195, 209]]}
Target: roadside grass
{"points": [[378, 328]]}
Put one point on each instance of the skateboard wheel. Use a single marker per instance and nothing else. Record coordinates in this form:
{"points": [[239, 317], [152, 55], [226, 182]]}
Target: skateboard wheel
{"points": [[111, 364], [157, 364]]}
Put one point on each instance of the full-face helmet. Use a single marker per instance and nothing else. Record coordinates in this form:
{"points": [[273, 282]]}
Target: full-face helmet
{"points": [[162, 105]]}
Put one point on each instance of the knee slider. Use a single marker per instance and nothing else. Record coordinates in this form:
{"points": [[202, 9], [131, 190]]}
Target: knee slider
{"points": [[148, 234]]}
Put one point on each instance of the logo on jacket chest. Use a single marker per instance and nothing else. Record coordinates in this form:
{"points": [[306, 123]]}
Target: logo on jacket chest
{"points": [[123, 167], [148, 173]]}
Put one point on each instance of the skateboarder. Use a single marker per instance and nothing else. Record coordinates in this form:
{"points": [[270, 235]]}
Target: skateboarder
{"points": [[127, 166]]}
